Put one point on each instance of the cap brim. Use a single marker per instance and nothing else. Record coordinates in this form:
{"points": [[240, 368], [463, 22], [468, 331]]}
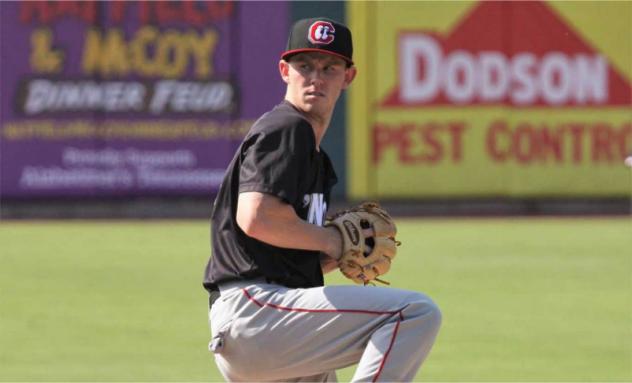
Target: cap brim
{"points": [[287, 54]]}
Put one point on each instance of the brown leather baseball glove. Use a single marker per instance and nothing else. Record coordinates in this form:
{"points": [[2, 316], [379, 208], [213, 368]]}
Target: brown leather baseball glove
{"points": [[365, 257]]}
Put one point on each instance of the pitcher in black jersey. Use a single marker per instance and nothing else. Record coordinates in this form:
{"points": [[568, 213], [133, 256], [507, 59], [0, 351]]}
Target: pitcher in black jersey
{"points": [[271, 317]]}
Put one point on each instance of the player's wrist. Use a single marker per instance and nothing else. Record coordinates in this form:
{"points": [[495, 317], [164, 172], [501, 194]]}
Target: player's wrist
{"points": [[333, 244]]}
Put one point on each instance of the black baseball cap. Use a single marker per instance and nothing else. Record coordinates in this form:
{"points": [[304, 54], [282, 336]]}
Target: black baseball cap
{"points": [[320, 34]]}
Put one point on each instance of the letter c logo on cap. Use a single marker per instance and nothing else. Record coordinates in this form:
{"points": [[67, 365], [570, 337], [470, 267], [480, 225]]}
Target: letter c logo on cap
{"points": [[321, 32]]}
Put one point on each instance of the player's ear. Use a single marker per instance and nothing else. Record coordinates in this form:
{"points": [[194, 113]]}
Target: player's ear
{"points": [[350, 74], [284, 70]]}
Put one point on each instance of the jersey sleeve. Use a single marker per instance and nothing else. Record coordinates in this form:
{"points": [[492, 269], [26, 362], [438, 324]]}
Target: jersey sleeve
{"points": [[277, 160]]}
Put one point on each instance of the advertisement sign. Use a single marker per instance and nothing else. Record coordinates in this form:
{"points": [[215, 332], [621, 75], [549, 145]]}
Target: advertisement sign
{"points": [[131, 98], [519, 99]]}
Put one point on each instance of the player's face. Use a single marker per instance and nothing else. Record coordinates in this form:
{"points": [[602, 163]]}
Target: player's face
{"points": [[315, 81]]}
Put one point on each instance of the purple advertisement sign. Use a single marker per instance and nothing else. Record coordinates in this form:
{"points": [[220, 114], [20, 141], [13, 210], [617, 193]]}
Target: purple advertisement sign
{"points": [[131, 98]]}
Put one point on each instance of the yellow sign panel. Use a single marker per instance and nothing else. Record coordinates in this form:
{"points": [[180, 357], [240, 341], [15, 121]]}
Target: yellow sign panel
{"points": [[491, 99]]}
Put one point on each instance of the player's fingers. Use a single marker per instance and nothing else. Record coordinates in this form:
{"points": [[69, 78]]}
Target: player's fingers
{"points": [[370, 232]]}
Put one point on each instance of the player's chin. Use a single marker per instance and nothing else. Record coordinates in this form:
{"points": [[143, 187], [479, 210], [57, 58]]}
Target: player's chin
{"points": [[315, 109], [310, 104], [315, 102], [311, 99]]}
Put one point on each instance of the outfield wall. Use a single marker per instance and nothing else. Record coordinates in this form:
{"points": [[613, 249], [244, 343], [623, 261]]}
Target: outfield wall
{"points": [[509, 99], [132, 99], [456, 100]]}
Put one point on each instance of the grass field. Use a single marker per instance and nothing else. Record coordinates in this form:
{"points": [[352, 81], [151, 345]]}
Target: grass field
{"points": [[522, 299]]}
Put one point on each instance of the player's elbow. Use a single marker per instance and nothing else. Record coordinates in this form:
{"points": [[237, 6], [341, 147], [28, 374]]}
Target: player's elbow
{"points": [[263, 216], [250, 215], [247, 222], [249, 225]]}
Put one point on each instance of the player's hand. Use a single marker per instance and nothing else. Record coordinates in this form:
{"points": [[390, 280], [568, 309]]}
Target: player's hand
{"points": [[368, 236], [327, 263], [335, 244]]}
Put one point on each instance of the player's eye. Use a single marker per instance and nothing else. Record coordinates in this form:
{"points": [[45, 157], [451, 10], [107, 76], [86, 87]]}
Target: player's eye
{"points": [[330, 69]]}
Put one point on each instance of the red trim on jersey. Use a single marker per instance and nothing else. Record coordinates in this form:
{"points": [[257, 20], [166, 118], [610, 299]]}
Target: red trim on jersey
{"points": [[351, 311]]}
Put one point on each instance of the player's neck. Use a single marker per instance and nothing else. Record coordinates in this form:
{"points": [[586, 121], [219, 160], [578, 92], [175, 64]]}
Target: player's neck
{"points": [[320, 125], [318, 121]]}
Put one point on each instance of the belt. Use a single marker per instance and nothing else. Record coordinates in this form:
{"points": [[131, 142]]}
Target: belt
{"points": [[228, 287]]}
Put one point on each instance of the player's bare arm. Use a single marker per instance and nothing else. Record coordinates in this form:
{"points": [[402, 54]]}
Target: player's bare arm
{"points": [[270, 220]]}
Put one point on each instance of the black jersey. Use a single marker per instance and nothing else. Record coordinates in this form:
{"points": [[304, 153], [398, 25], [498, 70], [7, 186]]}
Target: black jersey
{"points": [[278, 157]]}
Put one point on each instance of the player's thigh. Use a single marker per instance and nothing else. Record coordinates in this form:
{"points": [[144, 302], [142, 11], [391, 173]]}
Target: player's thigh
{"points": [[281, 333], [331, 323]]}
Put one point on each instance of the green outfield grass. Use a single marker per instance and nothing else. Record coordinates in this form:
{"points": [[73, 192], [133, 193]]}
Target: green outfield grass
{"points": [[522, 299]]}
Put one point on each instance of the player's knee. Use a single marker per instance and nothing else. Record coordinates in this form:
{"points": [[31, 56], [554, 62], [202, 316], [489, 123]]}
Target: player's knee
{"points": [[436, 316], [424, 311]]}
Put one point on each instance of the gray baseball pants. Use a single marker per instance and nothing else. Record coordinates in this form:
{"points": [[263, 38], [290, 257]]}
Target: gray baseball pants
{"points": [[266, 332]]}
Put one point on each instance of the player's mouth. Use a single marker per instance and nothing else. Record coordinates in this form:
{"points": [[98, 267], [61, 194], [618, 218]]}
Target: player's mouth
{"points": [[314, 94]]}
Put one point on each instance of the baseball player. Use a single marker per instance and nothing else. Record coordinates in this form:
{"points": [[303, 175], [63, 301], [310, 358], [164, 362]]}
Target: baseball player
{"points": [[271, 317]]}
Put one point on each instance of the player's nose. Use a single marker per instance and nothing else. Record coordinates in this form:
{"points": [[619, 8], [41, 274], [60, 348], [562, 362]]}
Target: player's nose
{"points": [[316, 77]]}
